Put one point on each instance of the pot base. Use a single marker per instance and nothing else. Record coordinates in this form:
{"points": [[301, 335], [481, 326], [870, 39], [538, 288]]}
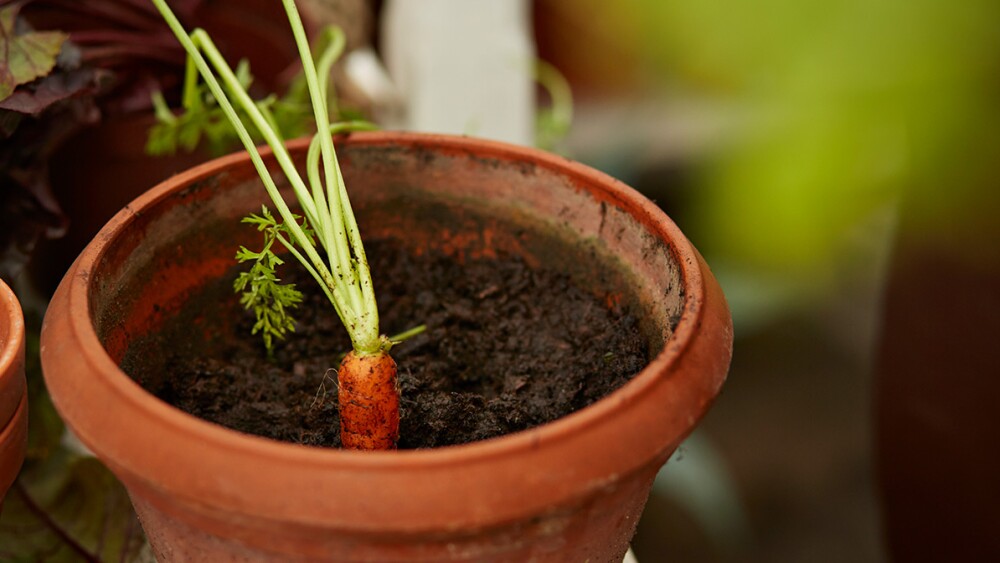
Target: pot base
{"points": [[578, 532], [13, 447]]}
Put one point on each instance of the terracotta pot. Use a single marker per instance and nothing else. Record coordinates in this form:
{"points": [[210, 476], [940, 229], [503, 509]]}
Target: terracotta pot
{"points": [[13, 390], [569, 490]]}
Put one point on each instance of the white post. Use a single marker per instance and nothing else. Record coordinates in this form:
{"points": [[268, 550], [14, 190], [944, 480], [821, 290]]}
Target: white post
{"points": [[462, 66]]}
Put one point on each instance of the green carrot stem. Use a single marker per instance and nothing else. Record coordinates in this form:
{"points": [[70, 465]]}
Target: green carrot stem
{"points": [[347, 282], [336, 216]]}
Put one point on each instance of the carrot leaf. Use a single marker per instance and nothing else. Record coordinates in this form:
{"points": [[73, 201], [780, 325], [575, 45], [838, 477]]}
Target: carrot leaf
{"points": [[261, 290]]}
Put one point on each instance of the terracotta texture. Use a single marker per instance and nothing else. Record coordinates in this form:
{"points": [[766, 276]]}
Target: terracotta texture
{"points": [[13, 390], [571, 490]]}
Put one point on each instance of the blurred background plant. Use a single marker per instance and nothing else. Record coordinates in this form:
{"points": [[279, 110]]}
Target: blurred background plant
{"points": [[99, 61], [796, 123], [781, 136]]}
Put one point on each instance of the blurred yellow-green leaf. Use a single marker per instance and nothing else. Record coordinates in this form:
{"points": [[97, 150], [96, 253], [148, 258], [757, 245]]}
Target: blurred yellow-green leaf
{"points": [[844, 105], [24, 57]]}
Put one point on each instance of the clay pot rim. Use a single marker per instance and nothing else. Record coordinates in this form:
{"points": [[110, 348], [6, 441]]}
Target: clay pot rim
{"points": [[15, 327], [11, 379], [11, 429], [586, 178], [13, 390]]}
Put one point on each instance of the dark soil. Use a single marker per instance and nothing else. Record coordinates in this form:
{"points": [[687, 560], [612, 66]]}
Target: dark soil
{"points": [[507, 348]]}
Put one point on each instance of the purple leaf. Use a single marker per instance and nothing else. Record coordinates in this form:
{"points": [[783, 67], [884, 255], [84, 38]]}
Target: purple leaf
{"points": [[52, 89]]}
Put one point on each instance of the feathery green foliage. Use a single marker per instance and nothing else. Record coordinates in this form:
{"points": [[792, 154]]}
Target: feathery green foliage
{"points": [[262, 290]]}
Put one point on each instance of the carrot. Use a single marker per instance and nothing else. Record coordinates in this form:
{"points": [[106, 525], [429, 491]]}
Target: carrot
{"points": [[325, 239], [369, 402]]}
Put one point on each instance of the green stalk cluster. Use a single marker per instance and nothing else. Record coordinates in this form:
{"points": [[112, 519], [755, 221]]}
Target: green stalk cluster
{"points": [[329, 245]]}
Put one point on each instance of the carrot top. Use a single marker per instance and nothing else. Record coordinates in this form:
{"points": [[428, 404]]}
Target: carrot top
{"points": [[325, 239]]}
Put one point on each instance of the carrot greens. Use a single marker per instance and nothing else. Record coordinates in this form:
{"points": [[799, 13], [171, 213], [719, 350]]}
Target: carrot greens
{"points": [[329, 246]]}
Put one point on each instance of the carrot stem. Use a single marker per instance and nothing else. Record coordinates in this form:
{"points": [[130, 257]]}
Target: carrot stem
{"points": [[369, 402]]}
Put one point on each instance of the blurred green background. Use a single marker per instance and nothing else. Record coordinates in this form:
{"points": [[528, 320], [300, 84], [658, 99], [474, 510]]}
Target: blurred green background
{"points": [[781, 136], [799, 121]]}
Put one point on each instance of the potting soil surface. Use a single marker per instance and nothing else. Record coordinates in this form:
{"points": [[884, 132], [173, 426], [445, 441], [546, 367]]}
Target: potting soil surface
{"points": [[507, 347]]}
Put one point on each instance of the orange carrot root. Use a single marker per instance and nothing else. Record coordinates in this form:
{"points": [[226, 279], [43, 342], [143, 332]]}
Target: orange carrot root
{"points": [[369, 402]]}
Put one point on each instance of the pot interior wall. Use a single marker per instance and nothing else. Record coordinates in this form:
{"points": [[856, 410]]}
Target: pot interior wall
{"points": [[458, 202]]}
